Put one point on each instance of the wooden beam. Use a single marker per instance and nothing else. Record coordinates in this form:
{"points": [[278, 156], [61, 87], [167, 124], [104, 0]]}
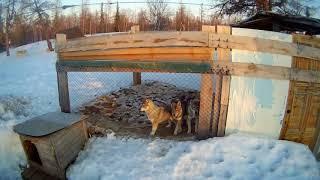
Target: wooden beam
{"points": [[128, 66], [222, 87], [226, 68], [136, 76], [263, 45], [140, 54], [206, 98], [63, 91], [189, 39], [137, 40], [266, 71]]}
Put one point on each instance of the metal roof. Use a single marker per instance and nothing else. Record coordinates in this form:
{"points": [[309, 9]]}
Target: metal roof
{"points": [[266, 20], [46, 124]]}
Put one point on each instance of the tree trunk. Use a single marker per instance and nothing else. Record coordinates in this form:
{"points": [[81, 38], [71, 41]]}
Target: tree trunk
{"points": [[7, 44], [47, 31]]}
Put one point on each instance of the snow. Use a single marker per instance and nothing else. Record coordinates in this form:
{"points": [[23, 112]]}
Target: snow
{"points": [[28, 88], [238, 156]]}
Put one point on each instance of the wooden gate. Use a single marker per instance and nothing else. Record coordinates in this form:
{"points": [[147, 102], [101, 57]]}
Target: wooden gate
{"points": [[302, 119]]}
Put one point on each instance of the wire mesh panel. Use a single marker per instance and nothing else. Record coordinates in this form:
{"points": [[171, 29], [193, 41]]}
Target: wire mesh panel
{"points": [[113, 97], [86, 86]]}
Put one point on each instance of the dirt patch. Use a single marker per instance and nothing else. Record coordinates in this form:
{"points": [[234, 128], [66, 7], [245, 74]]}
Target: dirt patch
{"points": [[119, 111]]}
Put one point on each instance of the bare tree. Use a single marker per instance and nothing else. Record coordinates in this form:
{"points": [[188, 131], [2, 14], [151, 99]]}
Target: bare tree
{"points": [[234, 7], [143, 20], [296, 7], [57, 15], [102, 25], [108, 16], [10, 12], [1, 21], [117, 20], [38, 13], [157, 13], [250, 7], [181, 18]]}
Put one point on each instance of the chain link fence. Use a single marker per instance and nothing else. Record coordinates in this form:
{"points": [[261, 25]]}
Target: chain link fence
{"points": [[113, 98]]}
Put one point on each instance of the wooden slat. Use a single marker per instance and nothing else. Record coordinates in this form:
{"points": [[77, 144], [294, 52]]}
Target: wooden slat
{"points": [[230, 68], [222, 102], [224, 105], [263, 45], [267, 71], [206, 98], [145, 39], [63, 90], [125, 66], [205, 111], [140, 54], [189, 39]]}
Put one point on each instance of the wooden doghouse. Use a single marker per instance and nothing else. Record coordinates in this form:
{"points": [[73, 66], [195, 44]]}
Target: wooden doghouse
{"points": [[52, 141]]}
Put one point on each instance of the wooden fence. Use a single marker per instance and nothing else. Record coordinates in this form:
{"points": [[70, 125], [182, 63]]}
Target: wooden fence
{"points": [[182, 52]]}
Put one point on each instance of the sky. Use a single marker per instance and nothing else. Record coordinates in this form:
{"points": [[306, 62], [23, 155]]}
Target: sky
{"points": [[195, 9]]}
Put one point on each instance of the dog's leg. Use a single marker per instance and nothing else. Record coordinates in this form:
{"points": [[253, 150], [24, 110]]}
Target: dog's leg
{"points": [[154, 129], [196, 125], [178, 128], [189, 124], [169, 124]]}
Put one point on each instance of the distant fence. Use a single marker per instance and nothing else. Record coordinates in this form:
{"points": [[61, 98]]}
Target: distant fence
{"points": [[207, 58]]}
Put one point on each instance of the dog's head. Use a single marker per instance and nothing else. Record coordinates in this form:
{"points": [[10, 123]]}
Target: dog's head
{"points": [[146, 105], [175, 107]]}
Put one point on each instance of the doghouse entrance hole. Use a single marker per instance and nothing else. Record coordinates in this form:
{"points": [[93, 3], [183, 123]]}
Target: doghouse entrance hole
{"points": [[32, 152]]}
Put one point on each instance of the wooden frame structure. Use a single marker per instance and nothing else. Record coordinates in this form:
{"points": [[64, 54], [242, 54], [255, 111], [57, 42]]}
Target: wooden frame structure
{"points": [[180, 52]]}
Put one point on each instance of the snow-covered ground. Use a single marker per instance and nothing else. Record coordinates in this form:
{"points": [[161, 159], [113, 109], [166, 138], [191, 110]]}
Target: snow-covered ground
{"points": [[238, 156], [28, 88]]}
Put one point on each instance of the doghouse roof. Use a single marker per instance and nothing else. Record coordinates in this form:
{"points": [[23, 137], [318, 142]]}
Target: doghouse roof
{"points": [[46, 124], [271, 21]]}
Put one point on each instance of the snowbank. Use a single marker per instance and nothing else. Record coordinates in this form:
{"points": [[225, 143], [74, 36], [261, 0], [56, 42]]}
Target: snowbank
{"points": [[237, 156], [27, 89]]}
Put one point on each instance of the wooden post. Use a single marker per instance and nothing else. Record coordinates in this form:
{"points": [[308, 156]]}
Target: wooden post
{"points": [[136, 75], [63, 90], [62, 78], [222, 88], [206, 98], [61, 39]]}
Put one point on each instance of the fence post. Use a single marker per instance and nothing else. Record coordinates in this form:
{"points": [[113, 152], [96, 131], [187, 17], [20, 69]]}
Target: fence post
{"points": [[206, 98], [63, 90], [136, 75], [222, 88], [62, 78]]}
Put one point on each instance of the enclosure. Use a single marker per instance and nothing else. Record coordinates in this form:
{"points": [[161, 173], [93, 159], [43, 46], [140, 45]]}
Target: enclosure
{"points": [[247, 80]]}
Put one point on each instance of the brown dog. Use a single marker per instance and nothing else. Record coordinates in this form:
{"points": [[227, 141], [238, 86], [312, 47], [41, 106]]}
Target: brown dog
{"points": [[156, 114], [186, 108], [177, 112]]}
